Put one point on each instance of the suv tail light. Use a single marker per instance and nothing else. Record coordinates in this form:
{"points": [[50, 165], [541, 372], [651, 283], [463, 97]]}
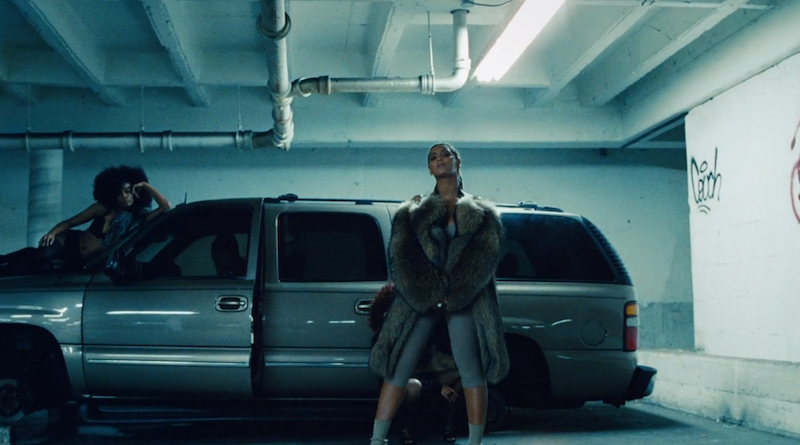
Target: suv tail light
{"points": [[630, 336]]}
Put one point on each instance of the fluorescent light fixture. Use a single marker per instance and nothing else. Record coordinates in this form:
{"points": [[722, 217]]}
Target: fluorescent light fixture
{"points": [[526, 24]]}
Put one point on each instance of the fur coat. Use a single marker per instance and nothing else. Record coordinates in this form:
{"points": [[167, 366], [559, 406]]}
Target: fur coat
{"points": [[428, 268]]}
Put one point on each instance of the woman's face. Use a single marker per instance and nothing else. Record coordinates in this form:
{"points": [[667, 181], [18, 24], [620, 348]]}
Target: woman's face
{"points": [[125, 196], [442, 162]]}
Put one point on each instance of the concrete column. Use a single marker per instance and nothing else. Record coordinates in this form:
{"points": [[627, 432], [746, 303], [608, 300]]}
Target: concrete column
{"points": [[44, 192]]}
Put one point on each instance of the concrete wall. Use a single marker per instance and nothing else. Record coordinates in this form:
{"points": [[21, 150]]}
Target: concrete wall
{"points": [[636, 197], [745, 234], [758, 394], [744, 196]]}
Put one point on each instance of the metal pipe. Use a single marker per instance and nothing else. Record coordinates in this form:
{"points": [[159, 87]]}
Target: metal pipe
{"points": [[274, 27], [238, 140], [460, 54], [327, 85], [274, 24], [425, 84]]}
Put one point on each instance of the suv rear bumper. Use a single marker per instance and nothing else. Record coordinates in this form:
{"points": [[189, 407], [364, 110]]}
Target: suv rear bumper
{"points": [[642, 382]]}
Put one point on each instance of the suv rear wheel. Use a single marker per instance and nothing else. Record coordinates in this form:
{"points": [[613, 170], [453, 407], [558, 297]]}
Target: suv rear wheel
{"points": [[527, 384], [15, 400], [496, 411]]}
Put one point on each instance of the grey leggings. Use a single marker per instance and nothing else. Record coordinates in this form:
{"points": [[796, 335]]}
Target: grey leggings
{"points": [[463, 341]]}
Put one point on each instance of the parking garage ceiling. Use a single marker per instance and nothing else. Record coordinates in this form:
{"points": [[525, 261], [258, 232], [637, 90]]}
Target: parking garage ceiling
{"points": [[593, 78]]}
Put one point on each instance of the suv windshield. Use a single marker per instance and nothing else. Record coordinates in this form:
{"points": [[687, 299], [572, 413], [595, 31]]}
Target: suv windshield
{"points": [[544, 247]]}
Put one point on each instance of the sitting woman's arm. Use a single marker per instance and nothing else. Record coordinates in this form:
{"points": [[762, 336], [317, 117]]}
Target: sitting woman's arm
{"points": [[85, 216], [161, 200]]}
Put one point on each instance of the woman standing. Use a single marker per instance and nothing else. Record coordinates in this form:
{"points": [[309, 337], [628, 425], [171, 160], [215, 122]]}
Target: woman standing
{"points": [[443, 254], [123, 199]]}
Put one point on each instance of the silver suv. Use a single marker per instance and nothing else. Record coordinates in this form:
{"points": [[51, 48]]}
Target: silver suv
{"points": [[254, 301]]}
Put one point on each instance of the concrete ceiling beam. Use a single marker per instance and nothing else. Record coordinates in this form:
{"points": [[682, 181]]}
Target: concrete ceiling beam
{"points": [[165, 22], [396, 21], [766, 42], [63, 29], [627, 65], [579, 62]]}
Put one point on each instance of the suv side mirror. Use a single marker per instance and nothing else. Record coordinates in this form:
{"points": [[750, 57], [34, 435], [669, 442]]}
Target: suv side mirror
{"points": [[119, 268], [112, 267]]}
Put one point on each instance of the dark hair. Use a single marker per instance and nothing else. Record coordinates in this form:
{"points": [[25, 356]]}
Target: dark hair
{"points": [[108, 184], [380, 306], [453, 150]]}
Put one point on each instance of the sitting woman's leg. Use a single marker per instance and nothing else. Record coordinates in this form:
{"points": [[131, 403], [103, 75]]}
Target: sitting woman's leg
{"points": [[35, 260], [393, 389], [30, 260]]}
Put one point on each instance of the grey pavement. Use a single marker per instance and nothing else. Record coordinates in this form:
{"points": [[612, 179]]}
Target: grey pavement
{"points": [[635, 423]]}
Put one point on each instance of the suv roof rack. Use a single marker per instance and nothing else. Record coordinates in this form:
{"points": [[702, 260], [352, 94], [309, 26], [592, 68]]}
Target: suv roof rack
{"points": [[533, 206], [291, 197]]}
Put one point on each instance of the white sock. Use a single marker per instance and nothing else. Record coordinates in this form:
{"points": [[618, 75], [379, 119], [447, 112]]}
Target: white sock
{"points": [[380, 429], [475, 434]]}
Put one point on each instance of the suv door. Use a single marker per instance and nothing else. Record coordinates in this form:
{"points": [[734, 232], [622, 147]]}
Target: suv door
{"points": [[324, 263], [182, 326]]}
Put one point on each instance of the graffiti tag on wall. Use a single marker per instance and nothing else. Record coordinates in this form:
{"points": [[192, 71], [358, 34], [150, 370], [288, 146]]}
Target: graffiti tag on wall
{"points": [[794, 186], [706, 183]]}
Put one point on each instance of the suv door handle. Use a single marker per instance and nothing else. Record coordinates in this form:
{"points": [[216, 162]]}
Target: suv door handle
{"points": [[231, 303], [364, 307]]}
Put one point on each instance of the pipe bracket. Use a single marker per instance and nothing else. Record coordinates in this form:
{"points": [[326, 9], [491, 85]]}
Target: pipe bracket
{"points": [[248, 139], [238, 138], [325, 85], [275, 35], [426, 84], [68, 141], [168, 136]]}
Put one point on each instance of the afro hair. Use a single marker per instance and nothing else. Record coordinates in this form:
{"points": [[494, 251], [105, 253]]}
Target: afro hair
{"points": [[109, 182]]}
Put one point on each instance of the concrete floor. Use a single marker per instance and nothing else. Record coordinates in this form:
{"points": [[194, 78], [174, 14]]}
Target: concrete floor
{"points": [[636, 423]]}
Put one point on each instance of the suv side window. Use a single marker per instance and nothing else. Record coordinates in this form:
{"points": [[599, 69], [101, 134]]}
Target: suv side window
{"points": [[200, 243], [543, 247], [330, 247]]}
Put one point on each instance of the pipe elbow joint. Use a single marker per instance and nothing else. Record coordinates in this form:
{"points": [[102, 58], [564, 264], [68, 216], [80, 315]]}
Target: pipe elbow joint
{"points": [[304, 86], [451, 83], [297, 89], [275, 139]]}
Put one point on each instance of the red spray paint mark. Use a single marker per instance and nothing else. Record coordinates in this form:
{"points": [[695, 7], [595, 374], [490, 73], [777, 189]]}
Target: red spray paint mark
{"points": [[794, 139], [795, 189], [794, 186]]}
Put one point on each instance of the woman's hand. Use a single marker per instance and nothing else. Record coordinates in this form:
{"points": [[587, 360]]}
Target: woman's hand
{"points": [[163, 203], [449, 393], [135, 188], [48, 238]]}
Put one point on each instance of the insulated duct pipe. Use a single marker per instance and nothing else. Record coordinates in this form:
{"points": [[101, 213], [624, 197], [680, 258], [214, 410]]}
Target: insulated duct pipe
{"points": [[425, 84], [240, 140], [274, 24]]}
